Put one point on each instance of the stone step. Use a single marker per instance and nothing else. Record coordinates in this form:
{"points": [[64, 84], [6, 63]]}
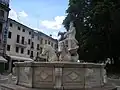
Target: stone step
{"points": [[16, 87]]}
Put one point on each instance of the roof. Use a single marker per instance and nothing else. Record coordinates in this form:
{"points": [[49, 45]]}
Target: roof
{"points": [[20, 58], [2, 59], [34, 31]]}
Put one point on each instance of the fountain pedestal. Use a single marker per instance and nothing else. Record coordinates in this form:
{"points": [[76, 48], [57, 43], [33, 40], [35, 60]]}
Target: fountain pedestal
{"points": [[59, 75]]}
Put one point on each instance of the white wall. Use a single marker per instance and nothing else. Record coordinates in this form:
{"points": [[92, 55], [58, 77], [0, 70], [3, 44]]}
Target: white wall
{"points": [[12, 41]]}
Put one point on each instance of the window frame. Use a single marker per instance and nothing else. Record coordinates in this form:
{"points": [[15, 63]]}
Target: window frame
{"points": [[9, 47], [9, 35]]}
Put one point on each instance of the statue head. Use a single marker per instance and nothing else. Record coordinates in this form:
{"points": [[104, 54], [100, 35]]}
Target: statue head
{"points": [[46, 49], [71, 24]]}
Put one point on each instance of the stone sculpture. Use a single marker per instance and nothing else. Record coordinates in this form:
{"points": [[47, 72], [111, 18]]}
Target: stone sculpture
{"points": [[10, 78], [64, 54], [105, 76], [14, 71], [62, 35], [71, 44], [50, 53]]}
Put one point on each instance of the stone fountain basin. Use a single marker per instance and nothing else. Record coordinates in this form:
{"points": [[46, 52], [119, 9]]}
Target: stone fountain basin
{"points": [[67, 75]]}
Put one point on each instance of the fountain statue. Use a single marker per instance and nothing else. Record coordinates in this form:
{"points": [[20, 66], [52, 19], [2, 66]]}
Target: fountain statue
{"points": [[62, 35], [71, 43], [50, 53], [60, 72]]}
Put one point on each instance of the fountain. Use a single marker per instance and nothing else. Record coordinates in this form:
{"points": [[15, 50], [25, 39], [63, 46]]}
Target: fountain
{"points": [[63, 72]]}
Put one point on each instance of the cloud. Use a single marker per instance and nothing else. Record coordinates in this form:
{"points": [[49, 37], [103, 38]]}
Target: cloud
{"points": [[54, 24], [22, 14], [55, 35], [45, 25], [17, 15]]}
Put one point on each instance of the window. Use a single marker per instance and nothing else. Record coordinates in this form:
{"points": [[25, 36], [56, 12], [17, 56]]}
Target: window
{"points": [[52, 44], [18, 28], [41, 41], [48, 42], [29, 41], [8, 47], [37, 46], [38, 37], [11, 25], [22, 50], [29, 33], [18, 38], [1, 13], [45, 41], [31, 54], [32, 46], [1, 26], [17, 49], [37, 54], [22, 40], [23, 30], [9, 34], [32, 35], [56, 46], [28, 52], [40, 50]]}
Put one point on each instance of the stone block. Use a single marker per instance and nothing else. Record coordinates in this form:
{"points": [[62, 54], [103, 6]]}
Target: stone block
{"points": [[16, 87], [60, 75]]}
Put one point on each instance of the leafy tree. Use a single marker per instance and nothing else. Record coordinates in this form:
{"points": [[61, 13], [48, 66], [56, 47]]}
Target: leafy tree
{"points": [[97, 27]]}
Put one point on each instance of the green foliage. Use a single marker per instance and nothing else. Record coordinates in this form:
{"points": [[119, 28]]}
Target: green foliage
{"points": [[97, 27]]}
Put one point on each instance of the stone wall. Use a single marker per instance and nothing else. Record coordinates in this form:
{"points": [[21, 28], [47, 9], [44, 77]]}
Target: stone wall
{"points": [[59, 75]]}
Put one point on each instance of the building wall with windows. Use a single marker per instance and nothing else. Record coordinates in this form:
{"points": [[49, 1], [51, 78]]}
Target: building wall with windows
{"points": [[4, 11], [26, 42]]}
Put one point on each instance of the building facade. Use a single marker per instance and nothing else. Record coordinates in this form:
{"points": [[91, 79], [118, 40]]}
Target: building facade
{"points": [[24, 42], [4, 12]]}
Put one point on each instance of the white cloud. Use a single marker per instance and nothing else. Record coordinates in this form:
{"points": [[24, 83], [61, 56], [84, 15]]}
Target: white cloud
{"points": [[55, 35], [55, 24], [22, 14], [17, 15]]}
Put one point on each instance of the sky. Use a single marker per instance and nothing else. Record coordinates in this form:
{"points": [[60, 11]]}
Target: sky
{"points": [[42, 15]]}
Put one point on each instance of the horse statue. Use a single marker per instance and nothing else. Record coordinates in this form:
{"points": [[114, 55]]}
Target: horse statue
{"points": [[62, 35], [50, 53]]}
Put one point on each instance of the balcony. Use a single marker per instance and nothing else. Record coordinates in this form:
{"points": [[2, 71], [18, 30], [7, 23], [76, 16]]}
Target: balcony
{"points": [[21, 45]]}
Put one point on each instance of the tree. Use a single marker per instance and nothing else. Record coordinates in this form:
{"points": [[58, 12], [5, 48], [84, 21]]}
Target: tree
{"points": [[97, 27]]}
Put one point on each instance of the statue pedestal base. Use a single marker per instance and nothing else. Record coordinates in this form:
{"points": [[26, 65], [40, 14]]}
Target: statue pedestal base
{"points": [[59, 76]]}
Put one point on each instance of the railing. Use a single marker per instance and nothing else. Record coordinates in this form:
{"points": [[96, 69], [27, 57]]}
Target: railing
{"points": [[22, 45]]}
